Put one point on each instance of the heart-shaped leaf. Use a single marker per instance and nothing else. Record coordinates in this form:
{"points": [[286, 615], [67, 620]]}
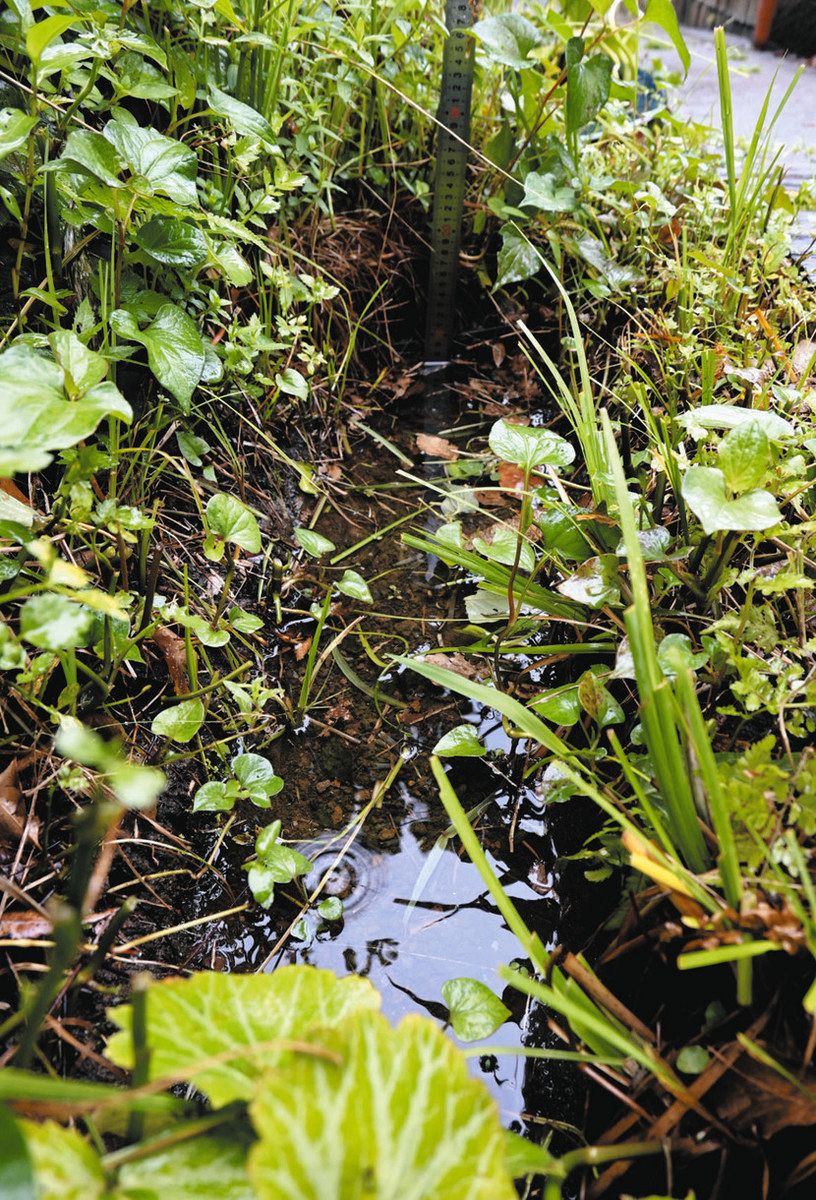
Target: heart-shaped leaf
{"points": [[545, 192], [243, 119], [518, 258], [728, 416], [53, 622], [15, 126], [172, 242], [475, 1011], [352, 584], [529, 447], [594, 583], [744, 454], [508, 39], [180, 722], [704, 491], [160, 165], [174, 347], [257, 776], [231, 521], [214, 797], [459, 742], [589, 81], [313, 543]]}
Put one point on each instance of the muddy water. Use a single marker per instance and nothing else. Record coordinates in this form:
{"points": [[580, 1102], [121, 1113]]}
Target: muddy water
{"points": [[415, 911]]}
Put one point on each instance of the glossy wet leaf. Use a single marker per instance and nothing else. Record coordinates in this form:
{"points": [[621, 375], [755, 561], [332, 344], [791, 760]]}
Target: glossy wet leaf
{"points": [[594, 583], [547, 194], [675, 654], [82, 368], [161, 165], [15, 126], [232, 522], [518, 259], [459, 742], [313, 543], [529, 446], [172, 242], [561, 533], [36, 413], [214, 796], [192, 447], [52, 622], [174, 348], [598, 702], [399, 1118], [181, 722], [653, 543], [559, 705], [292, 383], [475, 1011], [242, 118], [331, 909], [508, 39], [352, 584], [257, 777], [504, 546], [16, 1168], [65, 1165], [212, 1013], [705, 493], [588, 85], [743, 455]]}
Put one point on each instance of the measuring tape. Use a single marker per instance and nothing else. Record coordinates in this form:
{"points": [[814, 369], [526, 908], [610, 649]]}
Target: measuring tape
{"points": [[450, 178]]}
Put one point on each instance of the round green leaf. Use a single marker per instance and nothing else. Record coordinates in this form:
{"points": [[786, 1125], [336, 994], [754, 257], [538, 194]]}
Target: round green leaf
{"points": [[53, 622], [475, 1011], [213, 797], [692, 1060], [529, 447], [705, 493], [181, 722], [460, 742], [352, 584], [331, 909], [232, 521]]}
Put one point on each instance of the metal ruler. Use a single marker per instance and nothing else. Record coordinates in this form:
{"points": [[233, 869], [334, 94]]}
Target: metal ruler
{"points": [[450, 178]]}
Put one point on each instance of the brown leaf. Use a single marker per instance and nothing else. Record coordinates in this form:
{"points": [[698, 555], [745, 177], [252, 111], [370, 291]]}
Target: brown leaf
{"points": [[499, 352], [175, 656], [28, 924], [436, 447], [511, 477], [12, 814], [302, 649], [754, 1094], [453, 662], [802, 358]]}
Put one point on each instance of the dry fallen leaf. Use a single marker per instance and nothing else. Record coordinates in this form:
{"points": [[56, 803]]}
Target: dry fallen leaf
{"points": [[12, 813], [436, 447], [754, 1094], [24, 925], [453, 662], [175, 656], [302, 649]]}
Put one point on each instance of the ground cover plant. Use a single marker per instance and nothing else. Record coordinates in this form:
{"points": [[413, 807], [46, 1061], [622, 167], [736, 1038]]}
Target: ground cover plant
{"points": [[261, 585]]}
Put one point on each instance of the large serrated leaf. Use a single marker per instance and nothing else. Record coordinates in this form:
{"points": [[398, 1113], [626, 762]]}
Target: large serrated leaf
{"points": [[65, 1165], [399, 1118], [190, 1020]]}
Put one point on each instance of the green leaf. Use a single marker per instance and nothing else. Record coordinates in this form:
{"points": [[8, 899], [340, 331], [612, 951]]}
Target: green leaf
{"points": [[44, 32], [174, 347], [588, 84], [211, 1013], [257, 776], [161, 165], [331, 909], [674, 654], [598, 702], [199, 1168], [214, 797], [704, 491], [66, 1167], [459, 742], [692, 1060], [15, 126], [243, 119], [82, 368], [504, 547], [397, 1118], [508, 39], [93, 155], [352, 584], [54, 622], [35, 413], [172, 242], [518, 258], [661, 12], [192, 447], [594, 583], [232, 522], [313, 543], [744, 454], [16, 1169], [292, 383], [544, 192], [559, 705], [181, 722], [475, 1011], [561, 533], [529, 447]]}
